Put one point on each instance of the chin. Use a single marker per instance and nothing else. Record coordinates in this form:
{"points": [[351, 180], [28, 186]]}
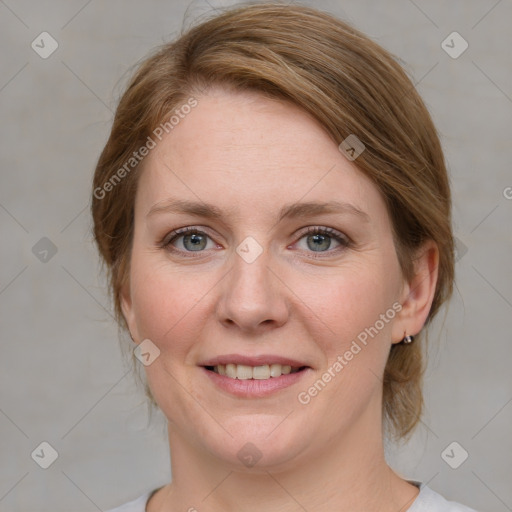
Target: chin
{"points": [[260, 443]]}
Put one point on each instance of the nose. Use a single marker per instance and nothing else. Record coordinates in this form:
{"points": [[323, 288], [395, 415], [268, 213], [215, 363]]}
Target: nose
{"points": [[253, 297]]}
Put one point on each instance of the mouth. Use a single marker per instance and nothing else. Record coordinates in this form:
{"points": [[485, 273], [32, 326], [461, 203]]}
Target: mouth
{"points": [[260, 372], [258, 376]]}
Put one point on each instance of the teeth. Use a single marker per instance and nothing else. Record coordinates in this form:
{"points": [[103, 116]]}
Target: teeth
{"points": [[230, 371], [245, 372], [275, 370], [261, 372]]}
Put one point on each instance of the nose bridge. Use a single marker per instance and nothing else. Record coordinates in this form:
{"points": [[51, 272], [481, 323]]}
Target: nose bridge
{"points": [[252, 294]]}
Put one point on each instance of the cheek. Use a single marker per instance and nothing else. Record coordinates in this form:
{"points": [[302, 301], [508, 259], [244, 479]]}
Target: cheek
{"points": [[166, 301], [351, 302], [357, 314], [169, 310]]}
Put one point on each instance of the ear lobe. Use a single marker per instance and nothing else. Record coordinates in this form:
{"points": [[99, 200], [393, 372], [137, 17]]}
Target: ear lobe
{"points": [[418, 293]]}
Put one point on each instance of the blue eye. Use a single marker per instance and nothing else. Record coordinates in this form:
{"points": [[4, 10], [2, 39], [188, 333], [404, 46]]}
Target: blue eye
{"points": [[318, 240], [193, 239]]}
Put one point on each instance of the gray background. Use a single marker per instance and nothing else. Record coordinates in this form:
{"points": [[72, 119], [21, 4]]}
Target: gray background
{"points": [[63, 379]]}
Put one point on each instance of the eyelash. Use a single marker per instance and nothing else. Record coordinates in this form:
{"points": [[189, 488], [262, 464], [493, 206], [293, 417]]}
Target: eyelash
{"points": [[344, 241]]}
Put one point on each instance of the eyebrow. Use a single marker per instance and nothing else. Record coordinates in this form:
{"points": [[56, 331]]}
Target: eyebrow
{"points": [[292, 210]]}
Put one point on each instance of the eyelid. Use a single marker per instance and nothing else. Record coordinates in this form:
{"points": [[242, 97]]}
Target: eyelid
{"points": [[169, 238], [175, 233], [301, 232], [324, 229], [344, 240]]}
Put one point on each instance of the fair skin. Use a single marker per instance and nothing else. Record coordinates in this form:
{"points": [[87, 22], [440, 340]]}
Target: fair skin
{"points": [[304, 297]]}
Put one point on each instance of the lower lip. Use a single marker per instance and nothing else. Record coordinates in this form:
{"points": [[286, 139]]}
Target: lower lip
{"points": [[255, 388]]}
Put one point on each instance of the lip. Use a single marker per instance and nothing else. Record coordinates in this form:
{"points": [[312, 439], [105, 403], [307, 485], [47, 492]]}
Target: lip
{"points": [[254, 388], [253, 360]]}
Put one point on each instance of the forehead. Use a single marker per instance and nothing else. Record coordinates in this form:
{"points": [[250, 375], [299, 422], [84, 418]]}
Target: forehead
{"points": [[250, 153]]}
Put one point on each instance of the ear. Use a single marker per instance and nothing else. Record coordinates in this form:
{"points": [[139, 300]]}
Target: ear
{"points": [[418, 293], [128, 312]]}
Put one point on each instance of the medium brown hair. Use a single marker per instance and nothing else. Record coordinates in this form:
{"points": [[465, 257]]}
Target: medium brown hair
{"points": [[344, 80]]}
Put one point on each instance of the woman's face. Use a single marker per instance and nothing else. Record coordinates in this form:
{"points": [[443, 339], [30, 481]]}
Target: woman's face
{"points": [[288, 260]]}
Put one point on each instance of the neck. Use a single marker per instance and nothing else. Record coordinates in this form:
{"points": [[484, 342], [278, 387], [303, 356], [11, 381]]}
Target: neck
{"points": [[349, 474]]}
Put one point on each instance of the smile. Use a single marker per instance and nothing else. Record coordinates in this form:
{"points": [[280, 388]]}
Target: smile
{"points": [[249, 382], [261, 372]]}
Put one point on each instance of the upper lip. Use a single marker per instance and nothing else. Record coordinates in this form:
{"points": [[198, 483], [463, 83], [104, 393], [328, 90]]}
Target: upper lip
{"points": [[259, 360]]}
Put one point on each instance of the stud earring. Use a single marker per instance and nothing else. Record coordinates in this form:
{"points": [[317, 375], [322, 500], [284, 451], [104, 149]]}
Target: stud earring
{"points": [[408, 338]]}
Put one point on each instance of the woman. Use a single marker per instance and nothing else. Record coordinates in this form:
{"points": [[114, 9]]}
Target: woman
{"points": [[274, 211]]}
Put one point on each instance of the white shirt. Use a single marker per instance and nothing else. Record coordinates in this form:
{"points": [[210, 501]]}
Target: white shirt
{"points": [[426, 501]]}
